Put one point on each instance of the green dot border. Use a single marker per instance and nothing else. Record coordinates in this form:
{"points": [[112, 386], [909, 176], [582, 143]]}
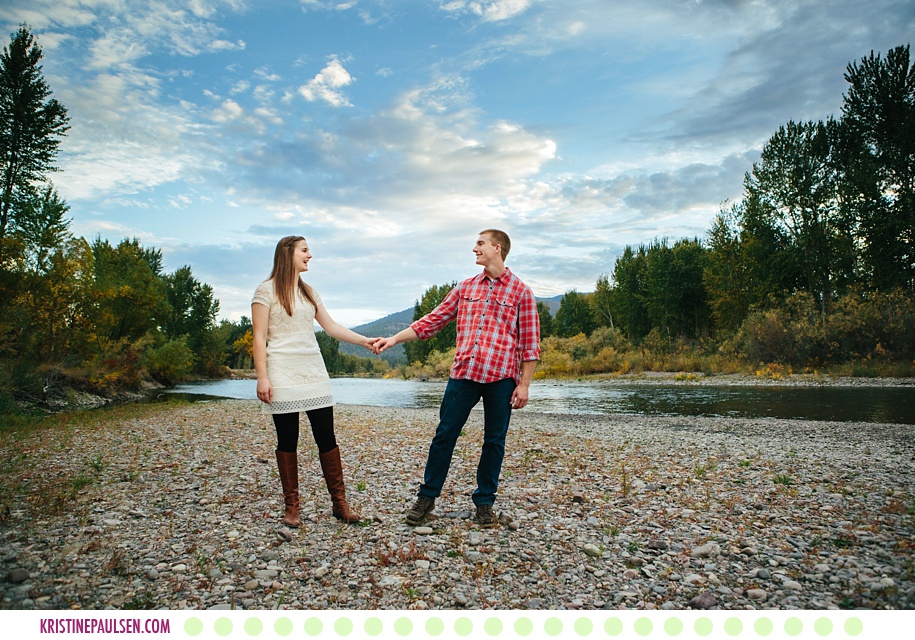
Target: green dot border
{"points": [[483, 624]]}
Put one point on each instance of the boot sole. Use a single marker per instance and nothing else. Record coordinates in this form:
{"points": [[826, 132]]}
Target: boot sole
{"points": [[348, 520], [415, 522]]}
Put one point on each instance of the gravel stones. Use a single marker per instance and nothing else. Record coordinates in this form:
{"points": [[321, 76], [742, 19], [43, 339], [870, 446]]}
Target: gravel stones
{"points": [[594, 512]]}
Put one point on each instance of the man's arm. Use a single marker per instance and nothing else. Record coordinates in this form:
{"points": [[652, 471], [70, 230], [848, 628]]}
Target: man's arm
{"points": [[428, 325], [522, 391], [529, 347]]}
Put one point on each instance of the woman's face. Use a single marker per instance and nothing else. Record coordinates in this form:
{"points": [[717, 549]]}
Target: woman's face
{"points": [[300, 256]]}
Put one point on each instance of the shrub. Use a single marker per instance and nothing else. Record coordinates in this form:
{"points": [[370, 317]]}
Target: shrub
{"points": [[170, 361]]}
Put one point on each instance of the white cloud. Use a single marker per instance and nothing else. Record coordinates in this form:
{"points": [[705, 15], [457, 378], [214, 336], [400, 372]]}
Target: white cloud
{"points": [[326, 85], [228, 111], [490, 10], [225, 45]]}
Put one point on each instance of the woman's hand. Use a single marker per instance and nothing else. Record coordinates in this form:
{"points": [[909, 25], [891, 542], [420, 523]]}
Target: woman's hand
{"points": [[264, 390]]}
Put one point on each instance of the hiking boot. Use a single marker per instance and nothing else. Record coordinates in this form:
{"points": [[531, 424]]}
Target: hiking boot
{"points": [[421, 508], [485, 516]]}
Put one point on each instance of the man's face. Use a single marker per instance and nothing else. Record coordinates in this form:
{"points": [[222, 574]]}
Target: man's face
{"points": [[487, 253]]}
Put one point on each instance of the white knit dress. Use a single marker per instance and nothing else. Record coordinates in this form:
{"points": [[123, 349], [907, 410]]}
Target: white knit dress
{"points": [[295, 367]]}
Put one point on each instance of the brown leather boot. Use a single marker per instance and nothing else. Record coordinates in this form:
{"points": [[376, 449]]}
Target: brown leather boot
{"points": [[288, 464], [333, 476]]}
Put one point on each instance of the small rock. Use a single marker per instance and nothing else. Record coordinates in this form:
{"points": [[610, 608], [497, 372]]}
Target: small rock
{"points": [[792, 584], [757, 594], [708, 550], [17, 576], [659, 545], [592, 551], [885, 583], [705, 600], [423, 531]]}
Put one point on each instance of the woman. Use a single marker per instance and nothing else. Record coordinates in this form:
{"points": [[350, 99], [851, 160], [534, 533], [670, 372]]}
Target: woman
{"points": [[291, 376]]}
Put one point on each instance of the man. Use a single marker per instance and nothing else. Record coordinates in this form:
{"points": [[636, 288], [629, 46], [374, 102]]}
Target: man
{"points": [[498, 345]]}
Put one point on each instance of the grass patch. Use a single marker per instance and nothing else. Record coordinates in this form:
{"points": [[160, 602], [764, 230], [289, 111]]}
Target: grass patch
{"points": [[28, 442]]}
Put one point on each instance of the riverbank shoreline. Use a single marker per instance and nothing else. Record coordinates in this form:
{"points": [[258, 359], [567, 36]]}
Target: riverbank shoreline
{"points": [[742, 380], [177, 506], [76, 400]]}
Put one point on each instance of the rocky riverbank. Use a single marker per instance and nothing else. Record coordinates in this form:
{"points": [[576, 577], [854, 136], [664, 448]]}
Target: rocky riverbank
{"points": [[177, 506]]}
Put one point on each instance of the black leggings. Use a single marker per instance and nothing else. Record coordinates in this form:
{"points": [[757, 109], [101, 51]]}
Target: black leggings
{"points": [[322, 428]]}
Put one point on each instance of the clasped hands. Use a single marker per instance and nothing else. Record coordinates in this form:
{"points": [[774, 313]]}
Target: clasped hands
{"points": [[377, 345]]}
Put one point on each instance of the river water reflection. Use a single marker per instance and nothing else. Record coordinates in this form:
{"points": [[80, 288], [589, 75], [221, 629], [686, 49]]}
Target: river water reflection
{"points": [[842, 404]]}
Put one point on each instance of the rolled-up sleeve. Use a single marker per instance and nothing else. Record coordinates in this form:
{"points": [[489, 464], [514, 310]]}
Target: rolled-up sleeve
{"points": [[435, 320], [528, 328]]}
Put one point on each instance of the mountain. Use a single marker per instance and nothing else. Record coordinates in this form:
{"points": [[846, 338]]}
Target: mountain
{"points": [[386, 326], [395, 322]]}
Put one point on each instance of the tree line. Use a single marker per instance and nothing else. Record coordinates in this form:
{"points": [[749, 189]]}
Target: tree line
{"points": [[814, 267]]}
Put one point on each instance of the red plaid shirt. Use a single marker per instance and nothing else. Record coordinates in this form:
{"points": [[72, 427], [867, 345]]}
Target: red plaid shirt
{"points": [[497, 327]]}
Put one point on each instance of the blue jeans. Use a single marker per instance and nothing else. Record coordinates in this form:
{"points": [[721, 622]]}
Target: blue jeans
{"points": [[460, 397]]}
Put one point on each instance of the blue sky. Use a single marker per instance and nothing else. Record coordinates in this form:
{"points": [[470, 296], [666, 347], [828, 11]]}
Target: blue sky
{"points": [[389, 133]]}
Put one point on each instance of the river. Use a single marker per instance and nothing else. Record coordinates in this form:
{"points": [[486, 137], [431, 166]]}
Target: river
{"points": [[829, 403]]}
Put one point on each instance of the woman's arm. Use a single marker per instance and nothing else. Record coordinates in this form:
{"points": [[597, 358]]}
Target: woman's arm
{"points": [[338, 331], [260, 316]]}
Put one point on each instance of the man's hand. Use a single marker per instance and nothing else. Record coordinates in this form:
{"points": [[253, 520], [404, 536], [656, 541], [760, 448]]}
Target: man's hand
{"points": [[520, 396], [383, 343]]}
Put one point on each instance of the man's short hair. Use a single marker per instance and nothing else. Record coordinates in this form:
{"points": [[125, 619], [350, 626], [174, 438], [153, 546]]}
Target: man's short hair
{"points": [[501, 238]]}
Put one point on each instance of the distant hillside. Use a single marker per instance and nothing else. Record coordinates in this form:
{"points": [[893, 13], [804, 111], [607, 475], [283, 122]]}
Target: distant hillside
{"points": [[552, 303], [395, 322], [386, 326]]}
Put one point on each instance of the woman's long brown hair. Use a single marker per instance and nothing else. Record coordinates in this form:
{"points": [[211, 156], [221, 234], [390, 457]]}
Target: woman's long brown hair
{"points": [[284, 275]]}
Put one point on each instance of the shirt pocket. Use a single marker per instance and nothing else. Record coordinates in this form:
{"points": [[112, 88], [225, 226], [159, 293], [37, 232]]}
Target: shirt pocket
{"points": [[506, 311], [471, 307]]}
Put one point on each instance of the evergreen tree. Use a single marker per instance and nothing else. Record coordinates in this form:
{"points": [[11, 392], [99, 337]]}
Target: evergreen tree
{"points": [[879, 113], [31, 126], [546, 319], [574, 315], [419, 350]]}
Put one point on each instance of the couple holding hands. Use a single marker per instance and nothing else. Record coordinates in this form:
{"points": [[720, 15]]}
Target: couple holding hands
{"points": [[498, 345]]}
